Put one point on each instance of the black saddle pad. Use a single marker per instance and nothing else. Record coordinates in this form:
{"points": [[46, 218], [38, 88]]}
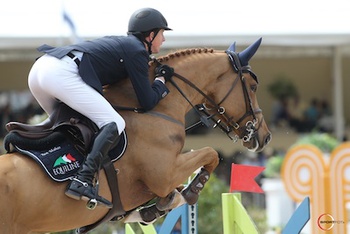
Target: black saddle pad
{"points": [[62, 160]]}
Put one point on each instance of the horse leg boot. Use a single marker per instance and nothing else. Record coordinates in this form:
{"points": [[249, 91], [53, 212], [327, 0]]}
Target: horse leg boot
{"points": [[191, 192], [81, 187], [146, 215]]}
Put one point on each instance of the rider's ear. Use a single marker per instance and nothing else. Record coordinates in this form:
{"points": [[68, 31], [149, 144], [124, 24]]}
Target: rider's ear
{"points": [[151, 36]]}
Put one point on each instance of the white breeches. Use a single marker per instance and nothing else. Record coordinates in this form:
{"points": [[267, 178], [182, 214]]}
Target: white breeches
{"points": [[52, 80]]}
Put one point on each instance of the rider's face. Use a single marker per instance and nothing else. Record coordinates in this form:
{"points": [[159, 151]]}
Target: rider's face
{"points": [[158, 41]]}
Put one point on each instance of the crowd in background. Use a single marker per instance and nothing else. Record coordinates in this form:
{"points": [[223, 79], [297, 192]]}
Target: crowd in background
{"points": [[17, 106], [316, 115]]}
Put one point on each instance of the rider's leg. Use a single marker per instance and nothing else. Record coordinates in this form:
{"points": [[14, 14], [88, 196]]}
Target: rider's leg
{"points": [[82, 185], [45, 99], [53, 79]]}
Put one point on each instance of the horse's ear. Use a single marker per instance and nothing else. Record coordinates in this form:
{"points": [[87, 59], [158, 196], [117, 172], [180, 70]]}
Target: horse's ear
{"points": [[248, 53], [232, 47]]}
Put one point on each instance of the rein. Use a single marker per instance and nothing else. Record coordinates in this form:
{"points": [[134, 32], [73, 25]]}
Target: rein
{"points": [[246, 132], [250, 127]]}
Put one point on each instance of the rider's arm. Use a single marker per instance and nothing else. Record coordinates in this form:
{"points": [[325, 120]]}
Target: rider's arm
{"points": [[148, 93]]}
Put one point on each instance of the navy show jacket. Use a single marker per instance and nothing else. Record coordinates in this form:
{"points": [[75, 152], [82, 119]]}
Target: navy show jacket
{"points": [[110, 59]]}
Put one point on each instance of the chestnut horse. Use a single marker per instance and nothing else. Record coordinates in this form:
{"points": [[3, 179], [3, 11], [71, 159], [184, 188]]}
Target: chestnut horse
{"points": [[153, 164]]}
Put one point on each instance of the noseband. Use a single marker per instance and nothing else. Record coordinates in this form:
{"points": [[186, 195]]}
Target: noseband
{"points": [[220, 118]]}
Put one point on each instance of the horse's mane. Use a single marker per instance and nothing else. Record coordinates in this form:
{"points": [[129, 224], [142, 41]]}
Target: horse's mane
{"points": [[184, 52]]}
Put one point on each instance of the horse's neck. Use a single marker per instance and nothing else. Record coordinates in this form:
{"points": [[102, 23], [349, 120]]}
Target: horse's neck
{"points": [[201, 69]]}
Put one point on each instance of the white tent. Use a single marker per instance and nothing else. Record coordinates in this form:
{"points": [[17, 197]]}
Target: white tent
{"points": [[287, 28]]}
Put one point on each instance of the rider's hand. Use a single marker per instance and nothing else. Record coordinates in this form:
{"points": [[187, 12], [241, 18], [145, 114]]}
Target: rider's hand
{"points": [[164, 71]]}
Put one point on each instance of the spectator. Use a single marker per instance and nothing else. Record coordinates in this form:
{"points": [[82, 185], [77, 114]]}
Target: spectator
{"points": [[296, 113], [279, 112], [326, 121], [5, 116], [312, 115]]}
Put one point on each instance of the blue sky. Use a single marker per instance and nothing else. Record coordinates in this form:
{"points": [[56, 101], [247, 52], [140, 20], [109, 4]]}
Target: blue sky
{"points": [[93, 18]]}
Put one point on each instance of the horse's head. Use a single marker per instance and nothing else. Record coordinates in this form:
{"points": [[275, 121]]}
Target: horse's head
{"points": [[225, 85], [232, 101]]}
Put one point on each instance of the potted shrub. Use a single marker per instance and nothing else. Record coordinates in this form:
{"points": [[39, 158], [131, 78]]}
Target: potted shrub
{"points": [[282, 88], [324, 141]]}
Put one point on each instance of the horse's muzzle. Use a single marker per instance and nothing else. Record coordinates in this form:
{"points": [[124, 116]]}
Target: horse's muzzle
{"points": [[255, 145]]}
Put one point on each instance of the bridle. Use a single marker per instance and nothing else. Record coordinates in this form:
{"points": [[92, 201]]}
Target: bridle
{"points": [[220, 118]]}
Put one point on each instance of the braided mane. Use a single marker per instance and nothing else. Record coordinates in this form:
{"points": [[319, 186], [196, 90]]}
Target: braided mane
{"points": [[183, 53]]}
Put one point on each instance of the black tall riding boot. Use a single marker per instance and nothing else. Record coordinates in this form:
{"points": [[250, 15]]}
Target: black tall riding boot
{"points": [[81, 186]]}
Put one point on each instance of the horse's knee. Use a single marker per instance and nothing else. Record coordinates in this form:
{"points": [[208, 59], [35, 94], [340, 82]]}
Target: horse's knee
{"points": [[212, 153], [212, 157], [216, 158]]}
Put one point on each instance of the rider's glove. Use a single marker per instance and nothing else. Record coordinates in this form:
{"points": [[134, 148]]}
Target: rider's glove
{"points": [[164, 71]]}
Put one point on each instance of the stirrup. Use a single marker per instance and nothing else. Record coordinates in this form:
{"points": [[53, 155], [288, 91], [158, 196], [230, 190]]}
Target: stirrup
{"points": [[80, 190], [92, 203]]}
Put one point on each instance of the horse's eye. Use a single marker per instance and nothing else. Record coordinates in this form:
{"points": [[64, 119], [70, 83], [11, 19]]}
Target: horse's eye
{"points": [[254, 88]]}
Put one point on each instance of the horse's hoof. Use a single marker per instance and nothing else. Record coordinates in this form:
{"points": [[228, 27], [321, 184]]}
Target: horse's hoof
{"points": [[164, 203], [81, 230], [150, 214], [191, 192], [173, 200]]}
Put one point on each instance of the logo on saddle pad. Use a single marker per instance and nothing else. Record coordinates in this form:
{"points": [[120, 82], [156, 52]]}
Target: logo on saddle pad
{"points": [[60, 162], [64, 164]]}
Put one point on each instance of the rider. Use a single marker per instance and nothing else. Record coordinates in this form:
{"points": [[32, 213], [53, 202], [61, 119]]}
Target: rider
{"points": [[75, 75]]}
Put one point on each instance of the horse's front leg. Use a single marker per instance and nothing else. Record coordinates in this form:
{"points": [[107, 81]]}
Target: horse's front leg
{"points": [[206, 157], [181, 168], [189, 162], [168, 186], [191, 193]]}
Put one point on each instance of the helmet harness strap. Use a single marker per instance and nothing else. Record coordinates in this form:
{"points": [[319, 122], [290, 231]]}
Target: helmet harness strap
{"points": [[149, 43]]}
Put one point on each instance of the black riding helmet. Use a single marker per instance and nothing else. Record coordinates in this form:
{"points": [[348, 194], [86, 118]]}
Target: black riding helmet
{"points": [[147, 19], [144, 21]]}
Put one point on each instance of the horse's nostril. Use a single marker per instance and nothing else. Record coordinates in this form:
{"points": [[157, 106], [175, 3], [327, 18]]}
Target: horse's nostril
{"points": [[268, 138]]}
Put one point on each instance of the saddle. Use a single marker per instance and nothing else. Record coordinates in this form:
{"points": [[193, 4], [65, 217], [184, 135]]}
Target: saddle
{"points": [[80, 131]]}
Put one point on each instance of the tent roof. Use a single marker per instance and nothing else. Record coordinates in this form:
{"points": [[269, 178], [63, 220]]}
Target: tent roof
{"points": [[272, 45], [303, 24], [177, 41], [250, 17]]}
